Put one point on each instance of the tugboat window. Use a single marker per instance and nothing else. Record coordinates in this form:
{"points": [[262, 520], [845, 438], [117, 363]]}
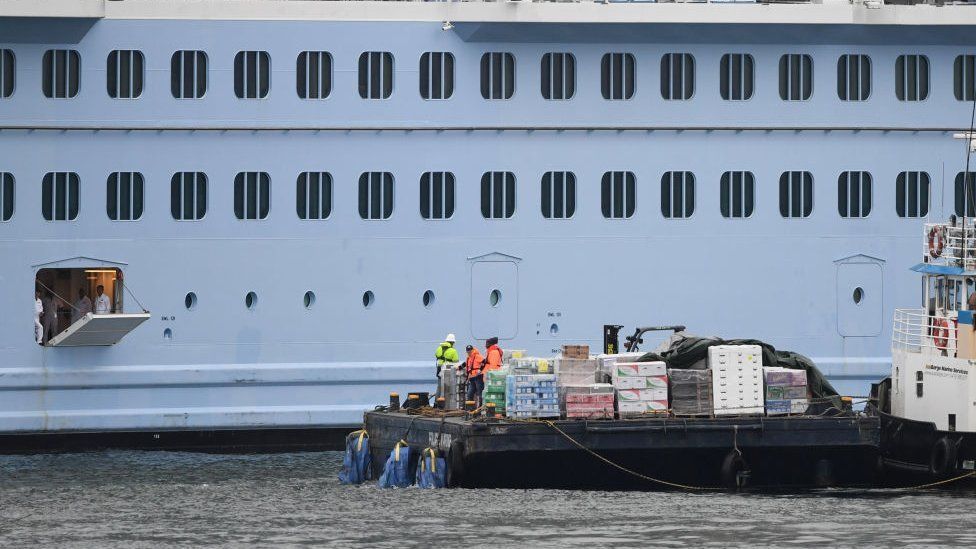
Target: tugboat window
{"points": [[309, 299], [251, 300], [368, 299], [428, 298], [858, 295], [190, 300]]}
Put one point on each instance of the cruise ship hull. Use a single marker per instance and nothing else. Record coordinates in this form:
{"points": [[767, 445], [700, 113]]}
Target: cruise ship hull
{"points": [[270, 323]]}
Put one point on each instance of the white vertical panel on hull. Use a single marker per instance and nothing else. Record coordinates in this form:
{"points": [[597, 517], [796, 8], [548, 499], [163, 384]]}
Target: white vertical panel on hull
{"points": [[494, 299]]}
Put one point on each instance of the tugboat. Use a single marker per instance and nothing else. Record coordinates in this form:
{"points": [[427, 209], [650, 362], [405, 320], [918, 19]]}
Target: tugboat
{"points": [[928, 405]]}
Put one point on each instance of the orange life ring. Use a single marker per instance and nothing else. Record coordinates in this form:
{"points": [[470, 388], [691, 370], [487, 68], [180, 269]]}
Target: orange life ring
{"points": [[940, 333], [936, 241]]}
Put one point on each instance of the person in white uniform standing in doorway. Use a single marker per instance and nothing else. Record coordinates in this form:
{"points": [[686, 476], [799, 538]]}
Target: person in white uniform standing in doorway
{"points": [[38, 311], [50, 318], [103, 305], [81, 307]]}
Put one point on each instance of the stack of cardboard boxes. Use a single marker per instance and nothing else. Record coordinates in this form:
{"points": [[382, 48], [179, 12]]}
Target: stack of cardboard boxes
{"points": [[531, 396], [495, 389], [786, 391], [594, 401], [737, 379], [576, 351], [641, 388], [691, 392]]}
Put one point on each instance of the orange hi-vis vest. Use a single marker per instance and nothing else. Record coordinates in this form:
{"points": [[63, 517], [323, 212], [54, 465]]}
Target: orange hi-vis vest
{"points": [[474, 363], [494, 361]]}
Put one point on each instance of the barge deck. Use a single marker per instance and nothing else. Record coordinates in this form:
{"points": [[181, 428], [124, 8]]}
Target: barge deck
{"points": [[638, 454]]}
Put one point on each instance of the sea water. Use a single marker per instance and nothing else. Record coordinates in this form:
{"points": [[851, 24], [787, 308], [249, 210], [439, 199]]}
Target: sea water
{"points": [[162, 499]]}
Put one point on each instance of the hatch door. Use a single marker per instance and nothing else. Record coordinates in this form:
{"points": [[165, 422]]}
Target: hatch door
{"points": [[95, 329], [494, 299], [860, 299]]}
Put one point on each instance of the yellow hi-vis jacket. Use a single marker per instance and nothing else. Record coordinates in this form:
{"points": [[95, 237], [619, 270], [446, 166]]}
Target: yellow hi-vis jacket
{"points": [[446, 353]]}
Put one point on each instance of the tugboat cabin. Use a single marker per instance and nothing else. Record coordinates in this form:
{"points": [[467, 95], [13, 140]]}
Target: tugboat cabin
{"points": [[934, 347]]}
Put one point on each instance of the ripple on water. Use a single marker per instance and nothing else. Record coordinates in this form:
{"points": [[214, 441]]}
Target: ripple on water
{"points": [[149, 499]]}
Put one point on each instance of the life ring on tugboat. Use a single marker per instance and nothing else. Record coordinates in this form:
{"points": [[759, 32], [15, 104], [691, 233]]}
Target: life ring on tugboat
{"points": [[939, 329], [936, 241]]}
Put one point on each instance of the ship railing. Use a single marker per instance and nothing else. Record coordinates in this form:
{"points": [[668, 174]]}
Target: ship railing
{"points": [[916, 331], [951, 245]]}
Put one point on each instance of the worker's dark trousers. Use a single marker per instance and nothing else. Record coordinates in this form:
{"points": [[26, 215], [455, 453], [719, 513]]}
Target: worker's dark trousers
{"points": [[475, 386]]}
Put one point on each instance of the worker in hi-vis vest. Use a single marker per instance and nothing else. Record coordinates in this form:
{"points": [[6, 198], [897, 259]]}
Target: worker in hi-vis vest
{"points": [[476, 380], [446, 353], [493, 355]]}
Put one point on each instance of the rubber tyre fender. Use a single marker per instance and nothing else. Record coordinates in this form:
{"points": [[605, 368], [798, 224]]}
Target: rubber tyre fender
{"points": [[942, 458], [732, 465], [455, 464]]}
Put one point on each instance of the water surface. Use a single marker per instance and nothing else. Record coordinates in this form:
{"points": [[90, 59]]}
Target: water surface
{"points": [[153, 499]]}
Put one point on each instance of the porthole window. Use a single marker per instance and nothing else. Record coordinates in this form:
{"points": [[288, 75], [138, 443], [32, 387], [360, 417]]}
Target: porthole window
{"points": [[190, 300], [495, 297], [368, 299], [858, 295], [428, 298], [251, 300], [309, 299]]}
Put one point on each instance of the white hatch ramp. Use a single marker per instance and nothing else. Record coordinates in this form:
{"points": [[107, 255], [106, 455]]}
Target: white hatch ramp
{"points": [[95, 329]]}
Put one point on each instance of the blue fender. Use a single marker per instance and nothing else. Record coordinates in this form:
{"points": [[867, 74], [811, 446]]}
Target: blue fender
{"points": [[397, 472], [357, 464], [431, 470]]}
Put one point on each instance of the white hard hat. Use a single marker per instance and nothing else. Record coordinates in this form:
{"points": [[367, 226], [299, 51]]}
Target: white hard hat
{"points": [[450, 338]]}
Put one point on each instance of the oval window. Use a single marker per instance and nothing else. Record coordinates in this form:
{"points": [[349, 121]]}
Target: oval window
{"points": [[495, 297], [428, 299], [309, 299], [251, 300], [368, 299], [190, 300], [858, 295]]}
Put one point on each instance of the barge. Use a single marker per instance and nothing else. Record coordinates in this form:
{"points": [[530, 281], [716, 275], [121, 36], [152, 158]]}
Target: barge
{"points": [[637, 454]]}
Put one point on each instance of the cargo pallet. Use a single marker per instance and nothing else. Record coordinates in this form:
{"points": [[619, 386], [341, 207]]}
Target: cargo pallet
{"points": [[722, 452]]}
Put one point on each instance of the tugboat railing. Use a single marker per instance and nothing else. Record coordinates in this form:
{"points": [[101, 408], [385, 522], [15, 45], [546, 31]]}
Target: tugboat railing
{"points": [[915, 330], [951, 245]]}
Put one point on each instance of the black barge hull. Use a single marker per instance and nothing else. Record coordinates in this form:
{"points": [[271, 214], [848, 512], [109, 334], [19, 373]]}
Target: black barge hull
{"points": [[757, 452]]}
